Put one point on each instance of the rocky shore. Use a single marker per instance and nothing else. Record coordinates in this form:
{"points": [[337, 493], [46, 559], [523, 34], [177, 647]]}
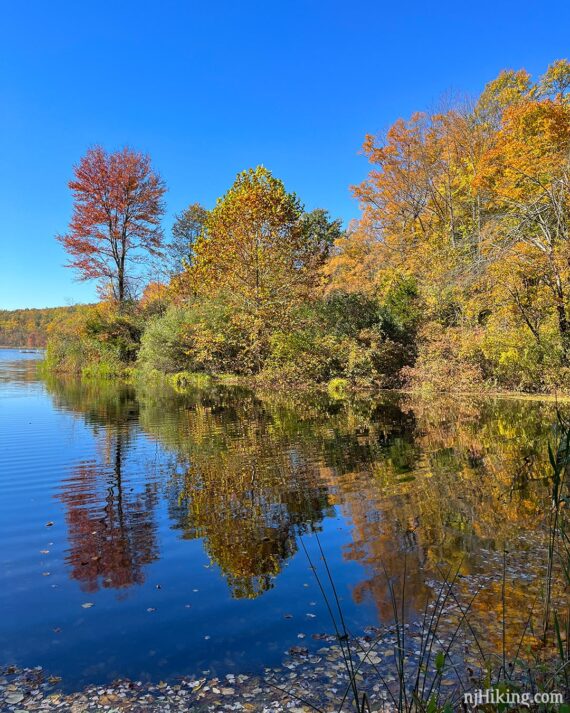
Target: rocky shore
{"points": [[312, 677]]}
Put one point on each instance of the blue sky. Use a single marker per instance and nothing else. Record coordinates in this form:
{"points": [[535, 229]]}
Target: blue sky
{"points": [[211, 88]]}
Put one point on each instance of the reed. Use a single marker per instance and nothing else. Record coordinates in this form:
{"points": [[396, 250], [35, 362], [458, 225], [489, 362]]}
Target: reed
{"points": [[419, 687]]}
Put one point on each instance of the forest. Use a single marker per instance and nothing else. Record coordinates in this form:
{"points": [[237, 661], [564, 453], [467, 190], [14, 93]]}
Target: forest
{"points": [[28, 327], [456, 277]]}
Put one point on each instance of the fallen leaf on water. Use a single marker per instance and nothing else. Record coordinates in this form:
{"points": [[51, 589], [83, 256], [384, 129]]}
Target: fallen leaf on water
{"points": [[88, 605], [49, 524]]}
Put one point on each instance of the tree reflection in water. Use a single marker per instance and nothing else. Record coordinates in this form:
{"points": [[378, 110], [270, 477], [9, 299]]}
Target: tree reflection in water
{"points": [[111, 525], [433, 480], [247, 489]]}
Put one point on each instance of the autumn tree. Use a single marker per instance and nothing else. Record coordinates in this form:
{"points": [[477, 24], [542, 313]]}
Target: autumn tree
{"points": [[319, 233], [555, 83], [472, 203], [508, 89], [421, 215], [115, 226], [255, 251], [528, 173], [185, 232]]}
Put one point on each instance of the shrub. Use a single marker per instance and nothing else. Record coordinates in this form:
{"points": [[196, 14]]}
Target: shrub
{"points": [[200, 336], [220, 337], [519, 364], [337, 388], [446, 361], [164, 345], [93, 341], [346, 314], [184, 380], [304, 355]]}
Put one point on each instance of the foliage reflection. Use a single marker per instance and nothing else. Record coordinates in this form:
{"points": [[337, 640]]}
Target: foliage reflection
{"points": [[428, 483]]}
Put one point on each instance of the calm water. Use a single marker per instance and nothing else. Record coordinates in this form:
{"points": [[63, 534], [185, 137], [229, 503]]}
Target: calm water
{"points": [[180, 517]]}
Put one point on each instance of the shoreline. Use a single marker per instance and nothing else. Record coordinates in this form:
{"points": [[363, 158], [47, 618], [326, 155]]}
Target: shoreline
{"points": [[254, 383], [318, 388], [313, 673], [312, 676]]}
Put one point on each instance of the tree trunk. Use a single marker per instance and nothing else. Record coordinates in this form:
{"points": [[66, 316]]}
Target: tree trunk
{"points": [[121, 275], [564, 330]]}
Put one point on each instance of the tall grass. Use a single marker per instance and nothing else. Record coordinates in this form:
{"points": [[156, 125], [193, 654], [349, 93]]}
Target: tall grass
{"points": [[419, 679]]}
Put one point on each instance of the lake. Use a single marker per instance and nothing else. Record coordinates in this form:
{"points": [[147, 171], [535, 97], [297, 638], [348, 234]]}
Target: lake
{"points": [[150, 533]]}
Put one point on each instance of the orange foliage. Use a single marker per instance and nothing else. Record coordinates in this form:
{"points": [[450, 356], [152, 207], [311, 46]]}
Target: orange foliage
{"points": [[116, 217]]}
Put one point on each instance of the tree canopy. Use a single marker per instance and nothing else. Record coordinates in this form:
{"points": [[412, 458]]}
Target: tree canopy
{"points": [[456, 275], [115, 226]]}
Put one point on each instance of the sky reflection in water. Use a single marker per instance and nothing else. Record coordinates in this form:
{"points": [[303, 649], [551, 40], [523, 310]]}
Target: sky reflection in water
{"points": [[178, 516]]}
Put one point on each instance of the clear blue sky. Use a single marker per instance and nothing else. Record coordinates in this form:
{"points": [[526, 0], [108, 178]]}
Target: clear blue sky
{"points": [[211, 88]]}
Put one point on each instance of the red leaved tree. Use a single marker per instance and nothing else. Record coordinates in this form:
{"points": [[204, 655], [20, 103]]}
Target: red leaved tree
{"points": [[115, 226]]}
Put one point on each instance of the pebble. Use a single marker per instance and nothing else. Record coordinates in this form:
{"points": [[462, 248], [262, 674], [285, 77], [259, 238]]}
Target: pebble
{"points": [[13, 698], [314, 672]]}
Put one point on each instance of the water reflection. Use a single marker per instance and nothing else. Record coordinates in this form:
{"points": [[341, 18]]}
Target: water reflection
{"points": [[18, 369], [428, 483], [110, 513], [111, 529], [247, 491]]}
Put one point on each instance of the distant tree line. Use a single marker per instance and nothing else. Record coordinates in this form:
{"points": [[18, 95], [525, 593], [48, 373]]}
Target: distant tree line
{"points": [[29, 327]]}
